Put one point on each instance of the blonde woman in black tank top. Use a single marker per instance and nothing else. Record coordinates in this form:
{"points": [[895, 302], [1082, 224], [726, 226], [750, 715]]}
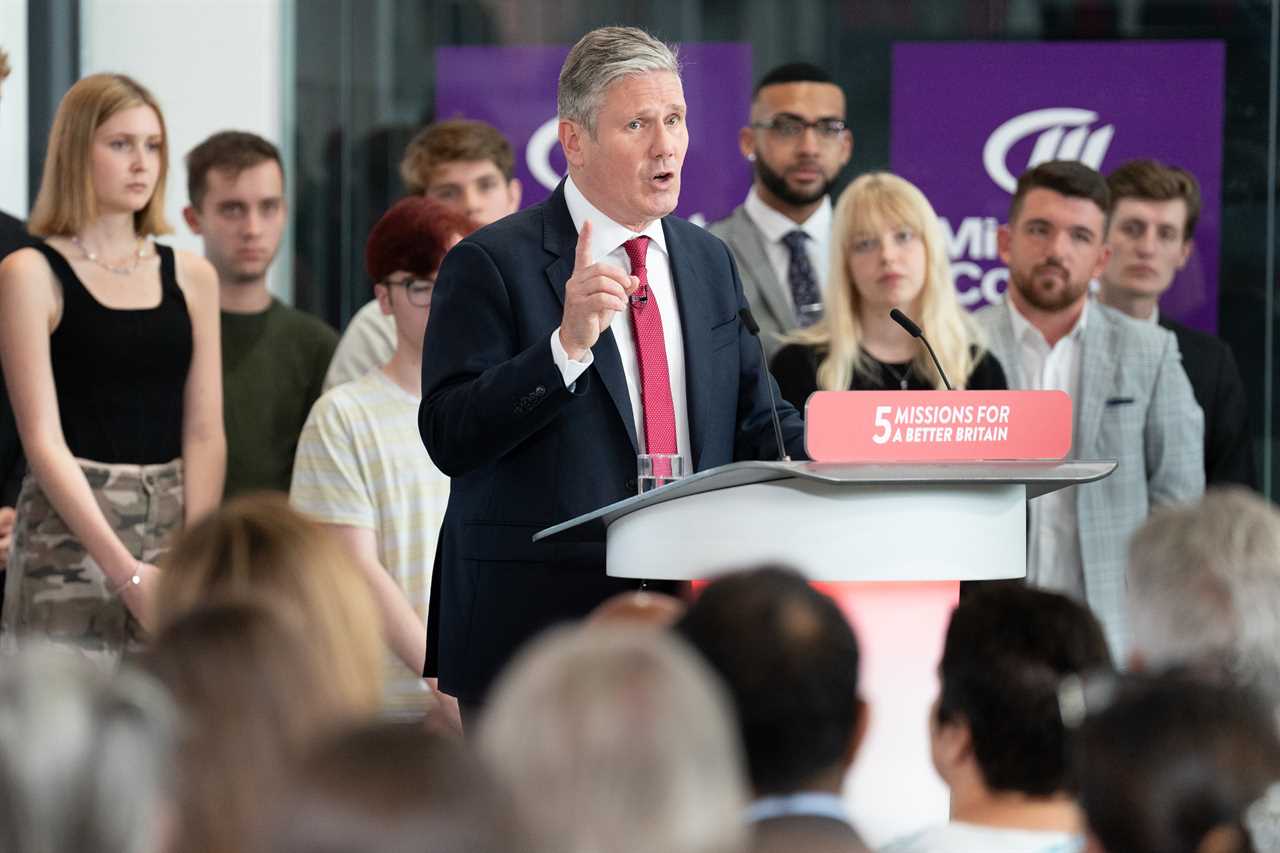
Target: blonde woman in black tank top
{"points": [[110, 348]]}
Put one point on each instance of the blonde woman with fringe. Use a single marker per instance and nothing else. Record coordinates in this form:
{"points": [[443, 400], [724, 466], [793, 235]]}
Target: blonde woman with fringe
{"points": [[887, 252], [110, 347]]}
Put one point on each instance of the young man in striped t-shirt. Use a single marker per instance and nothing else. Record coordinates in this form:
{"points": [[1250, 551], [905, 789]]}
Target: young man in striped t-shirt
{"points": [[361, 468]]}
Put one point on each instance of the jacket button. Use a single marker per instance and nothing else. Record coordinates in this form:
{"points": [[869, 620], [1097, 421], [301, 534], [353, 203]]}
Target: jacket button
{"points": [[540, 391], [630, 485]]}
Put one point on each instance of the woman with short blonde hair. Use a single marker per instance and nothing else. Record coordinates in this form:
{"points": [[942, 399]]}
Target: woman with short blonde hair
{"points": [[887, 251], [110, 347], [257, 548]]}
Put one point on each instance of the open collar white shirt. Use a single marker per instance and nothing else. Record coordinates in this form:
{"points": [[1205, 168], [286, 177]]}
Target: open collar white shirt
{"points": [[607, 238], [774, 226], [1054, 560]]}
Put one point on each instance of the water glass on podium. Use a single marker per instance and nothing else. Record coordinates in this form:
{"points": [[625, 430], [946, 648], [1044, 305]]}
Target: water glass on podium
{"points": [[658, 469]]}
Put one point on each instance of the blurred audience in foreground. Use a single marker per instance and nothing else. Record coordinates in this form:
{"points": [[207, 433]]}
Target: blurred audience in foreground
{"points": [[616, 740], [392, 788], [253, 693], [85, 757], [998, 740], [790, 661], [1170, 765]]}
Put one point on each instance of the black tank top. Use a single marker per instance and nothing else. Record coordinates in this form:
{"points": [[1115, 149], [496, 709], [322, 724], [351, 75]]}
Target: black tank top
{"points": [[120, 373]]}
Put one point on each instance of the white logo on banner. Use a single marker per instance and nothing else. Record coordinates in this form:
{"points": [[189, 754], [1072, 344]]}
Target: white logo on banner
{"points": [[1064, 135], [537, 154]]}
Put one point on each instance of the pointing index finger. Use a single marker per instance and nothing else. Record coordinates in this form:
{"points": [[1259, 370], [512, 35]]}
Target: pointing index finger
{"points": [[582, 254]]}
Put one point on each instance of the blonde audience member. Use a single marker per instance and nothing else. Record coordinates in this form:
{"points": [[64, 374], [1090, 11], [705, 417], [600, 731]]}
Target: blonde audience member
{"points": [[86, 760], [617, 740], [887, 251], [111, 359], [254, 694], [257, 548]]}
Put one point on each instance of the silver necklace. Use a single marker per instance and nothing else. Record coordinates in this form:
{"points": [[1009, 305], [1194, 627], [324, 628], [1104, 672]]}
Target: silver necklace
{"points": [[139, 255], [901, 377]]}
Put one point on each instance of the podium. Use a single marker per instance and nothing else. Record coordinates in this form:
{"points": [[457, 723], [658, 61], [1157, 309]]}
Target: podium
{"points": [[906, 533]]}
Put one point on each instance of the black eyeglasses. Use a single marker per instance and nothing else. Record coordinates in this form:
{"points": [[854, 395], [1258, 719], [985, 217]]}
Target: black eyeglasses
{"points": [[790, 126], [418, 290]]}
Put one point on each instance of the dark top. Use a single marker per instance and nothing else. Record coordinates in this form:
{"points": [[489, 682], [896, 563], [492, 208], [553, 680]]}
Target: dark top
{"points": [[273, 367], [120, 373], [13, 236], [796, 369], [1219, 389]]}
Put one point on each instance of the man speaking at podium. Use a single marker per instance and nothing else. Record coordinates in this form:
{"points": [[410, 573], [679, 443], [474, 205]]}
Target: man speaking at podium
{"points": [[563, 341]]}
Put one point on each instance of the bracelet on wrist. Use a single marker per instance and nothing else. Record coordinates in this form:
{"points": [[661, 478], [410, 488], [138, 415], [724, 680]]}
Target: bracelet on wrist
{"points": [[133, 580]]}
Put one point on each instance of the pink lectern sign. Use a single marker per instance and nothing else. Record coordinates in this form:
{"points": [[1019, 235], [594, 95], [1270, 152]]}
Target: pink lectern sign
{"points": [[937, 426]]}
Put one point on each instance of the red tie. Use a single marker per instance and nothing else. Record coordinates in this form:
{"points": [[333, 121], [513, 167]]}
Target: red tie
{"points": [[655, 381]]}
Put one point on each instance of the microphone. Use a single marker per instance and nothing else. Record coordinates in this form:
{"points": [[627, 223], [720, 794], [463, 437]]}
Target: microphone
{"points": [[749, 321], [915, 331]]}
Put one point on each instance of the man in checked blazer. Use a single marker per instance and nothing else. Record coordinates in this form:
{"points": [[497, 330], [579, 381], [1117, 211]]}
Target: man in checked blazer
{"points": [[1131, 400]]}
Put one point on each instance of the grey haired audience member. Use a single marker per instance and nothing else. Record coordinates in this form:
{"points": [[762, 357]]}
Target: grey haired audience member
{"points": [[85, 757], [790, 660], [616, 740], [1172, 765], [392, 788], [1204, 589], [1204, 593]]}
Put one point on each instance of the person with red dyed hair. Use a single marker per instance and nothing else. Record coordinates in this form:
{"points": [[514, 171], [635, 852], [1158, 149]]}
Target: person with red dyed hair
{"points": [[360, 466]]}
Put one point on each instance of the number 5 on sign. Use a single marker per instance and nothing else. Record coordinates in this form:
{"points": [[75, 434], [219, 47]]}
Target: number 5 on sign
{"points": [[882, 423]]}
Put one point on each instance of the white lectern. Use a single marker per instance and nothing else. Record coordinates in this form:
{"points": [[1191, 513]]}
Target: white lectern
{"points": [[907, 533]]}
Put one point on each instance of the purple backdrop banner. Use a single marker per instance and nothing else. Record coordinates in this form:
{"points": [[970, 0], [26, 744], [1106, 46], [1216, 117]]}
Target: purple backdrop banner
{"points": [[514, 89], [968, 118]]}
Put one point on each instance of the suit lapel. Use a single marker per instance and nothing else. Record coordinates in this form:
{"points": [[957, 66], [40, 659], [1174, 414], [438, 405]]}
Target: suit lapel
{"points": [[753, 261], [1004, 343], [695, 307], [1098, 364], [560, 238]]}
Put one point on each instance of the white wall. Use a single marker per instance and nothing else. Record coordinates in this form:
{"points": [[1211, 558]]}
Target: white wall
{"points": [[214, 65], [13, 109]]}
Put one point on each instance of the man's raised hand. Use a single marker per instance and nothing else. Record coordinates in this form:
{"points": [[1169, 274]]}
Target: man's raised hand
{"points": [[593, 293]]}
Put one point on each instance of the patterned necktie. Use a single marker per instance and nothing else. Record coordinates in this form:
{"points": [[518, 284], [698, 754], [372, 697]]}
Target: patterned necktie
{"points": [[801, 280], [651, 349]]}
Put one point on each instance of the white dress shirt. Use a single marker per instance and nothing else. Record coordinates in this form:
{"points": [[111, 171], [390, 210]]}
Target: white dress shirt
{"points": [[1054, 560], [774, 226], [607, 238]]}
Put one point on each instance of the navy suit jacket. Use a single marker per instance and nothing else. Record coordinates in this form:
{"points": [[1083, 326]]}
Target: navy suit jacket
{"points": [[524, 452]]}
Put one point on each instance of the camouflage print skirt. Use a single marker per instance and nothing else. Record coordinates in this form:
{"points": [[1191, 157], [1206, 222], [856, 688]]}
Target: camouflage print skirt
{"points": [[55, 591]]}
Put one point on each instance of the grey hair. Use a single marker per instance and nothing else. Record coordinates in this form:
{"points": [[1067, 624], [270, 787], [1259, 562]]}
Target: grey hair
{"points": [[1204, 588], [615, 739], [85, 757], [598, 59]]}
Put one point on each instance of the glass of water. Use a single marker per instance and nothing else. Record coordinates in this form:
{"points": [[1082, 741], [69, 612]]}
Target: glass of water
{"points": [[658, 469]]}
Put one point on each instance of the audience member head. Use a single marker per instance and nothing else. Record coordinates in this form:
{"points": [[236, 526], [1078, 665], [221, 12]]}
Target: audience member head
{"points": [[5, 69], [466, 165], [235, 183], [797, 139], [85, 757], [614, 78], [638, 608], [108, 153], [258, 548], [254, 693], [790, 661], [887, 251], [616, 740], [1204, 589], [1154, 210], [1172, 765], [403, 253], [997, 728], [392, 788], [1054, 242]]}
